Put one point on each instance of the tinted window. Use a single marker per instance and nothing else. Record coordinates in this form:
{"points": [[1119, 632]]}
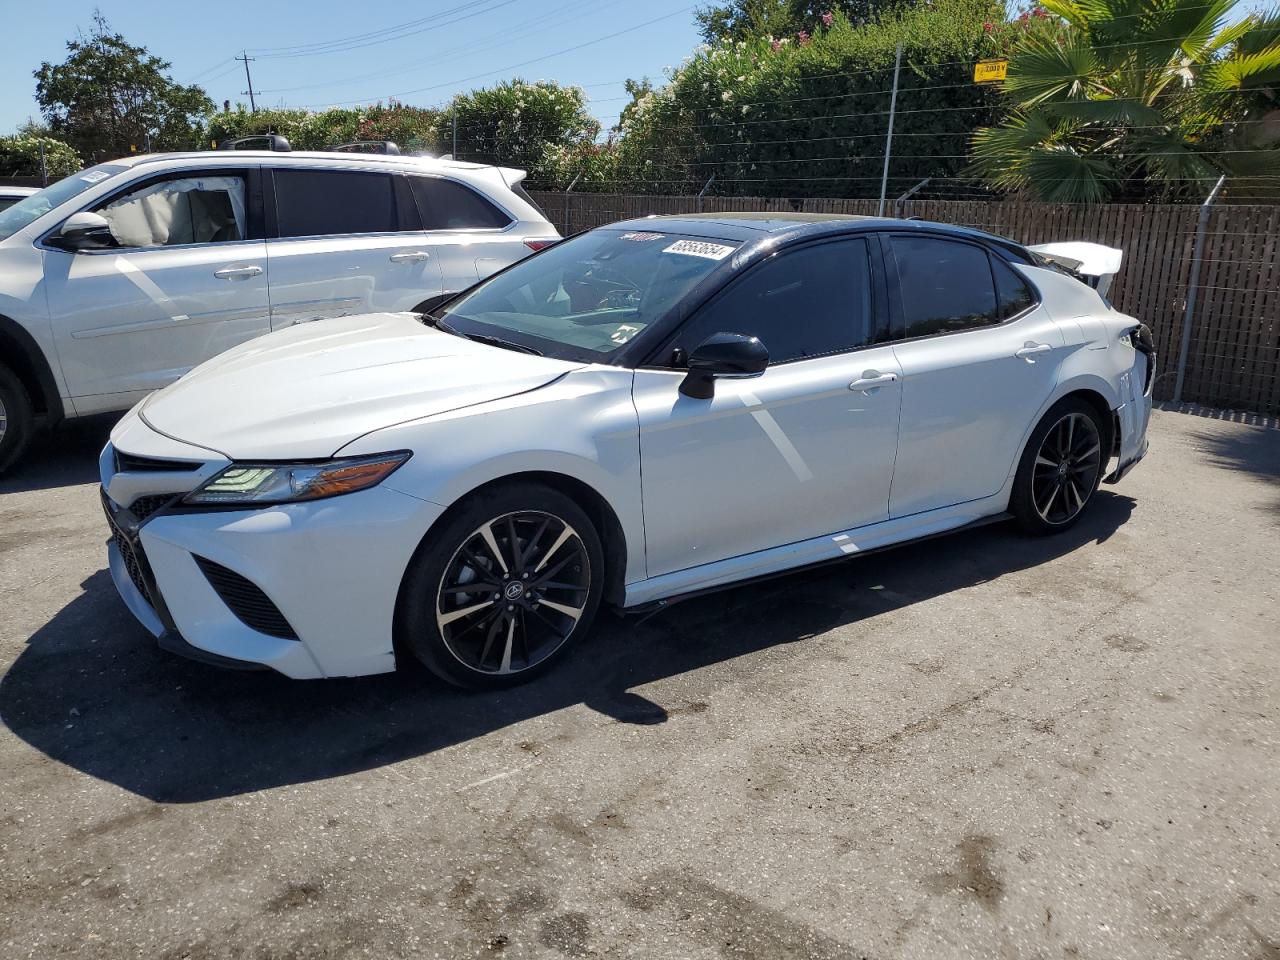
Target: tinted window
{"points": [[446, 205], [1011, 290], [945, 285], [805, 303], [317, 203]]}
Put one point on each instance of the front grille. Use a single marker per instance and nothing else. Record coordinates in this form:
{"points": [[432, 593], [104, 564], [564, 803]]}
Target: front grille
{"points": [[128, 463], [144, 507], [246, 600], [130, 554]]}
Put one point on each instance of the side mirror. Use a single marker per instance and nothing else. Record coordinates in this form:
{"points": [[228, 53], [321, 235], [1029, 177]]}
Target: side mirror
{"points": [[85, 231], [723, 355]]}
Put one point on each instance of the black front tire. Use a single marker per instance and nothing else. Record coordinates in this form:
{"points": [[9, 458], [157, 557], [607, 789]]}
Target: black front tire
{"points": [[1061, 467], [17, 419], [545, 543]]}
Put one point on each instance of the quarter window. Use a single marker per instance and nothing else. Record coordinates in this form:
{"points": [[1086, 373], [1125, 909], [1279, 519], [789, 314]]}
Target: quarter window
{"points": [[805, 303], [1011, 290], [321, 203], [184, 210], [944, 286], [446, 205]]}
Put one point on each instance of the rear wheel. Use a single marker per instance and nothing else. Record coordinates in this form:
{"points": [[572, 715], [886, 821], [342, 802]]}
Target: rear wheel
{"points": [[1060, 468], [500, 592], [16, 418]]}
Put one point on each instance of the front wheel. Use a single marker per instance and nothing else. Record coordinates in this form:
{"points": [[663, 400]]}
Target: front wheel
{"points": [[1060, 468], [501, 590], [16, 418]]}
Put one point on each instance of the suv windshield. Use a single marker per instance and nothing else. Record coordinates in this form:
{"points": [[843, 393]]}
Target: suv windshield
{"points": [[586, 297], [38, 204]]}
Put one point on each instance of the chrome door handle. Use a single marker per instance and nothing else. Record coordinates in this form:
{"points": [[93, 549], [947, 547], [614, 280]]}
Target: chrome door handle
{"points": [[237, 273], [410, 257], [871, 380], [1030, 350]]}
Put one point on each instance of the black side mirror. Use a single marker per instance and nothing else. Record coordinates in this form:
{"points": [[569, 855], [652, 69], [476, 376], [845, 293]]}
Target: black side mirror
{"points": [[723, 355], [84, 231]]}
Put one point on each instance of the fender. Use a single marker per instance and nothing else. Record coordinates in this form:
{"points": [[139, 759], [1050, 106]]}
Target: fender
{"points": [[32, 368]]}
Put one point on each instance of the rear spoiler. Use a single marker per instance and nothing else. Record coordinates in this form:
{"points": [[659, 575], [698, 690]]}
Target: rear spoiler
{"points": [[1092, 263], [511, 176]]}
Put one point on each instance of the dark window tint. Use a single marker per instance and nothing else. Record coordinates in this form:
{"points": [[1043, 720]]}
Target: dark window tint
{"points": [[805, 303], [945, 285], [317, 203], [1011, 290], [446, 205]]}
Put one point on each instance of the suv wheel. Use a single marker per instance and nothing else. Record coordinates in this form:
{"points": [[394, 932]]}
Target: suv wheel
{"points": [[16, 418], [503, 588]]}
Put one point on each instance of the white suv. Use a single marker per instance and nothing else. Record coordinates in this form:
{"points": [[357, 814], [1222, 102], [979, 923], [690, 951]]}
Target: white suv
{"points": [[117, 280]]}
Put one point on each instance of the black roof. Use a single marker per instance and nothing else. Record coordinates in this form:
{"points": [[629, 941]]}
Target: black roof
{"points": [[782, 227]]}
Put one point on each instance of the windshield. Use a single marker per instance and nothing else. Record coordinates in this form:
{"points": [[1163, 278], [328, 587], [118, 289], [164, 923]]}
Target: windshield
{"points": [[38, 204], [587, 297]]}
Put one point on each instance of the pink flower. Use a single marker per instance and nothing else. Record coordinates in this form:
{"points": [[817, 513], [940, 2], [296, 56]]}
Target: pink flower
{"points": [[1041, 12], [803, 37], [776, 45], [988, 27], [1025, 16], [828, 19]]}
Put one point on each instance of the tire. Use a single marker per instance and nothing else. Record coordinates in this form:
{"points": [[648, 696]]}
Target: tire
{"points": [[1060, 468], [17, 420], [534, 603]]}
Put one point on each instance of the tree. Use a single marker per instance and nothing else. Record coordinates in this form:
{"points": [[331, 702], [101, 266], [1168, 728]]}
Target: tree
{"points": [[1134, 99], [109, 98], [20, 157], [744, 19]]}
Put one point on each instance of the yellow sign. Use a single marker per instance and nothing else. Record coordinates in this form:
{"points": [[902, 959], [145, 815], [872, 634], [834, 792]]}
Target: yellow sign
{"points": [[990, 71]]}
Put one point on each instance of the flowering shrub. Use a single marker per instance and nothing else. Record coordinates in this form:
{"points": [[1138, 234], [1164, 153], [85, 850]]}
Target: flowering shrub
{"points": [[20, 157]]}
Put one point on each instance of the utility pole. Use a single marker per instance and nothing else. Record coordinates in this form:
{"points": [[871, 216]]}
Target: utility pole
{"points": [[888, 140], [244, 55]]}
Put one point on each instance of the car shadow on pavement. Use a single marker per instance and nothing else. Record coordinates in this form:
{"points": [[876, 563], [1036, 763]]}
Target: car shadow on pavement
{"points": [[93, 691], [62, 457]]}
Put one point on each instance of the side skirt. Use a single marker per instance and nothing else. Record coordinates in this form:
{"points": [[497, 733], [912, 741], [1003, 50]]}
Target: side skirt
{"points": [[650, 596]]}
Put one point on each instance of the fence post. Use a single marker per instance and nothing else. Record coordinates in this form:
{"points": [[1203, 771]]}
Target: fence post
{"points": [[897, 204], [1193, 287], [705, 187], [567, 191], [888, 139], [44, 168]]}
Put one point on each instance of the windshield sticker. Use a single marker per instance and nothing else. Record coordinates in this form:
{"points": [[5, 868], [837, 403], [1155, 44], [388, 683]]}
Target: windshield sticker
{"points": [[640, 237], [94, 176], [624, 333], [698, 248]]}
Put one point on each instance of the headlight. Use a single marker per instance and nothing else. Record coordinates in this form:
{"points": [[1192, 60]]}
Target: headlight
{"points": [[264, 483]]}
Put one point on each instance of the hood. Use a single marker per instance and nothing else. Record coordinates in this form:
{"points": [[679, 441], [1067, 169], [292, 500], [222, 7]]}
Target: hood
{"points": [[308, 390]]}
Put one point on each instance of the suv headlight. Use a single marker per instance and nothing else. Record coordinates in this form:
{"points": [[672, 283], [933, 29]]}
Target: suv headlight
{"points": [[266, 483]]}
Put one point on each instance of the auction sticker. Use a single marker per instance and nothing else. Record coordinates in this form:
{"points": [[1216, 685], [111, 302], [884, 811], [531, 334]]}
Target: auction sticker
{"points": [[699, 248], [94, 176], [641, 236]]}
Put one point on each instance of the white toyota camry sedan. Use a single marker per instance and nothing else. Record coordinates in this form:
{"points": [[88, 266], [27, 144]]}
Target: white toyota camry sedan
{"points": [[639, 413]]}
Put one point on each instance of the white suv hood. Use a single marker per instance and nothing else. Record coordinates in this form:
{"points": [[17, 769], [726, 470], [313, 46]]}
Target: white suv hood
{"points": [[308, 390]]}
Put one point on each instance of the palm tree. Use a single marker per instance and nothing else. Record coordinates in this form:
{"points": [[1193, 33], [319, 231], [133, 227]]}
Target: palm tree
{"points": [[1136, 98]]}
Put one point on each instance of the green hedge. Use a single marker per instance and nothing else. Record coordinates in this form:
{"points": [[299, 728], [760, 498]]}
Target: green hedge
{"points": [[20, 157]]}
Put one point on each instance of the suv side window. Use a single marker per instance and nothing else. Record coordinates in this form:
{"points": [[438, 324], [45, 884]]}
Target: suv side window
{"points": [[321, 203], [183, 209], [448, 205], [802, 303], [1011, 290], [944, 286]]}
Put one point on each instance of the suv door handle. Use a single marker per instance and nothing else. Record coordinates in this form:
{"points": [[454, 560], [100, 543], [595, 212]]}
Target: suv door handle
{"points": [[410, 257], [237, 273], [872, 380], [1030, 350]]}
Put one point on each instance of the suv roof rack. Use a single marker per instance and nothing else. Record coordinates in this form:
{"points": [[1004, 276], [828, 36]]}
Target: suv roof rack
{"points": [[366, 146], [273, 141]]}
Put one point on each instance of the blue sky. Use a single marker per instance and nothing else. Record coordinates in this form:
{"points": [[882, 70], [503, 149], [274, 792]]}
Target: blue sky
{"points": [[485, 43], [487, 40]]}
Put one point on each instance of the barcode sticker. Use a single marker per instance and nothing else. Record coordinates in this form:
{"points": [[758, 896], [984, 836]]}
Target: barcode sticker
{"points": [[700, 248], [641, 236]]}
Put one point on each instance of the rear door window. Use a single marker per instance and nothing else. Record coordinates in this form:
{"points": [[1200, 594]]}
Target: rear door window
{"points": [[944, 286], [321, 203], [448, 205]]}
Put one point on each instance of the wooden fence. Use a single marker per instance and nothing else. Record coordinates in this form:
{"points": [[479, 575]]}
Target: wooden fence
{"points": [[1233, 353]]}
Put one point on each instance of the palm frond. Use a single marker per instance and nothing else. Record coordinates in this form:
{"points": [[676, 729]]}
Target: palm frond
{"points": [[1062, 175], [1041, 70]]}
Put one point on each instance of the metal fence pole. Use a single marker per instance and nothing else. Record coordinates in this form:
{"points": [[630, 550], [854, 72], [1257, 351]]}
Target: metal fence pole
{"points": [[705, 187], [1193, 287], [567, 191], [888, 139], [897, 204], [44, 167]]}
